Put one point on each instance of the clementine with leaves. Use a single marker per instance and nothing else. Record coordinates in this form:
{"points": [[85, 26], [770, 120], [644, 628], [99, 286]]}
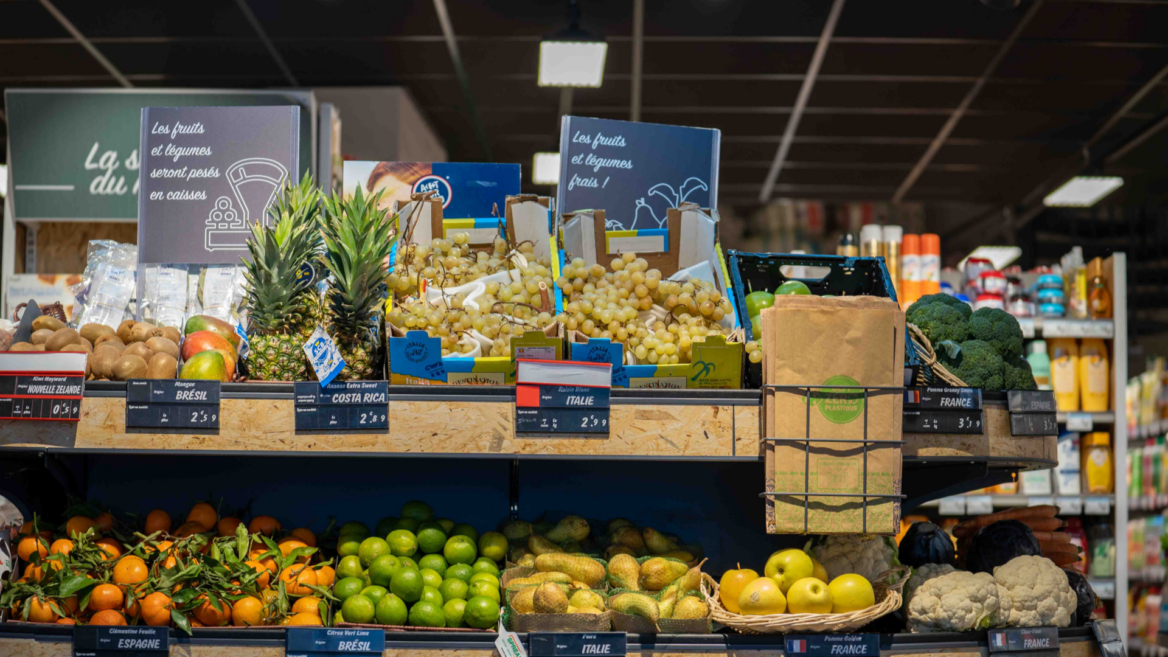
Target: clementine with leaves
{"points": [[78, 525], [226, 526], [157, 521], [108, 617], [248, 611], [296, 577], [325, 575], [208, 615], [304, 619], [309, 604], [61, 546], [188, 529], [265, 578], [130, 570], [204, 514], [106, 597], [155, 609], [111, 546], [304, 534], [266, 525], [40, 611], [105, 521], [30, 545]]}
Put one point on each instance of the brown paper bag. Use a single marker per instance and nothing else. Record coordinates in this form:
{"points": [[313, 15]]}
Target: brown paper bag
{"points": [[845, 342]]}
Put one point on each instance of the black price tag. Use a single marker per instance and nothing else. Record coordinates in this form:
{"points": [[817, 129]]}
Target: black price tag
{"points": [[561, 420], [1024, 639], [342, 406], [966, 422], [172, 404], [1033, 424], [578, 644], [1031, 401], [103, 641], [944, 399], [40, 397], [833, 645], [321, 641]]}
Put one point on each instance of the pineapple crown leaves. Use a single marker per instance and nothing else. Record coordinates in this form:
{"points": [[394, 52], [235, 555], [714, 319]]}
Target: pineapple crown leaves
{"points": [[357, 243]]}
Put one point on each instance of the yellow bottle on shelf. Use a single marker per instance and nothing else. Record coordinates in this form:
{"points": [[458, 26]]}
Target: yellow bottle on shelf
{"points": [[1094, 375], [1098, 473], [1064, 373]]}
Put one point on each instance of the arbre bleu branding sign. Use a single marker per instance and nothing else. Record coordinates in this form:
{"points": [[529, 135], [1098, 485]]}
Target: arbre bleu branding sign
{"points": [[635, 172]]}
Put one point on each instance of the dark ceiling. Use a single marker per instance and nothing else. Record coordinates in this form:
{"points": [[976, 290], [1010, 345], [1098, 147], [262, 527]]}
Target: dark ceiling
{"points": [[893, 75]]}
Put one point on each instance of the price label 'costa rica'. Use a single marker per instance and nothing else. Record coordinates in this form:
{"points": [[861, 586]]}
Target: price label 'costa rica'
{"points": [[361, 406]]}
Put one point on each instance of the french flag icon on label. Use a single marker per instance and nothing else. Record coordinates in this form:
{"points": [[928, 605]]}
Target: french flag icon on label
{"points": [[797, 645], [999, 639]]}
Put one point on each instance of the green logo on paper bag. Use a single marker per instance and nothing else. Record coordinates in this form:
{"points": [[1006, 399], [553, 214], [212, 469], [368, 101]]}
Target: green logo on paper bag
{"points": [[839, 405]]}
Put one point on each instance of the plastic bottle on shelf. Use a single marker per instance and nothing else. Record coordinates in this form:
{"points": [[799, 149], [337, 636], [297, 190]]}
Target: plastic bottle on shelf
{"points": [[930, 263], [1064, 373], [1039, 363], [1102, 540], [1094, 375], [1098, 472], [1098, 296], [910, 269], [890, 245]]}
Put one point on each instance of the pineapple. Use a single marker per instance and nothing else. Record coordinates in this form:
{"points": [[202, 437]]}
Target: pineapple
{"points": [[282, 314], [357, 240]]}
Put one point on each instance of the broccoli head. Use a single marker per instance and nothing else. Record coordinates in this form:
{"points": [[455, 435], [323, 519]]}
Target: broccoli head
{"points": [[999, 328], [941, 317], [1018, 375], [975, 362]]}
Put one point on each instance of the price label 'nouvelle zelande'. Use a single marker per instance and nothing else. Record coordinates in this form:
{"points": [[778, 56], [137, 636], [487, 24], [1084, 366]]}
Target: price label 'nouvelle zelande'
{"points": [[329, 641], [99, 641], [41, 386], [172, 404], [342, 406]]}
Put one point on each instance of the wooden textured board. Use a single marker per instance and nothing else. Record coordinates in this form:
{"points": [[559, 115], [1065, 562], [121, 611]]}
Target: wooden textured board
{"points": [[415, 427], [996, 442]]}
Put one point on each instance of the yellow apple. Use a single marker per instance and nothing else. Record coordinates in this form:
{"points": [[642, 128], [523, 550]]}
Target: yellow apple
{"points": [[761, 597], [851, 592], [788, 566], [733, 581], [809, 596], [820, 573]]}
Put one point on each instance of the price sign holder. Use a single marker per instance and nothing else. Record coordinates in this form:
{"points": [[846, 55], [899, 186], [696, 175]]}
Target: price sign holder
{"points": [[979, 505], [578, 644], [172, 405], [1037, 641], [1069, 506], [1032, 413], [943, 410], [342, 406], [1080, 422], [120, 641], [1109, 638], [1096, 506], [41, 386], [329, 641], [544, 405], [954, 505], [832, 645]]}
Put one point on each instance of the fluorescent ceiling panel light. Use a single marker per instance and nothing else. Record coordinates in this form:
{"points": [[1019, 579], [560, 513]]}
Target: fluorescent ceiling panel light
{"points": [[545, 169], [571, 63], [1000, 256], [1082, 191]]}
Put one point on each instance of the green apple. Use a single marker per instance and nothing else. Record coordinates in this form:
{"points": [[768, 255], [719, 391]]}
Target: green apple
{"points": [[793, 287], [756, 301], [756, 327], [787, 567]]}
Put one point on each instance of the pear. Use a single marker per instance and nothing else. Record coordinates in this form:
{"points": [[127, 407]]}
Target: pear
{"points": [[571, 528], [549, 598], [539, 578], [581, 568], [517, 530], [523, 600], [586, 598], [691, 607], [635, 604], [624, 572], [656, 542], [658, 572], [616, 523], [540, 545]]}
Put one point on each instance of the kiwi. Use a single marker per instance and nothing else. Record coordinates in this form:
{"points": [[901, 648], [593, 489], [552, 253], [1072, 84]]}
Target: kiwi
{"points": [[111, 340], [143, 331], [101, 363], [172, 334], [23, 346], [129, 367], [61, 338], [140, 350], [125, 331], [39, 347], [92, 332], [75, 347], [40, 337], [5, 340], [162, 366], [87, 343], [47, 322], [163, 345]]}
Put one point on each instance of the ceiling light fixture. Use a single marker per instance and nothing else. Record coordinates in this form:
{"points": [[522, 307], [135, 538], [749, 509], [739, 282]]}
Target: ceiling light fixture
{"points": [[545, 169], [573, 57], [1082, 191]]}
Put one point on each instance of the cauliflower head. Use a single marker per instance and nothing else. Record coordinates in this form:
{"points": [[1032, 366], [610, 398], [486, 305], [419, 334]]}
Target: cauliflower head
{"points": [[922, 574], [867, 556], [956, 602], [1039, 592]]}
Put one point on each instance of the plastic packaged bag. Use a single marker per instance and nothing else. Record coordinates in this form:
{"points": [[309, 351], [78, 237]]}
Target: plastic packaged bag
{"points": [[166, 295], [107, 285]]}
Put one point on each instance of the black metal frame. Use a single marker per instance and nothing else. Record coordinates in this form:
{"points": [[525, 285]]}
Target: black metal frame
{"points": [[806, 494]]}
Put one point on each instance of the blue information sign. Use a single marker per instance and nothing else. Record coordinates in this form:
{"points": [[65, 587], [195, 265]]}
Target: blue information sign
{"points": [[327, 641], [834, 645]]}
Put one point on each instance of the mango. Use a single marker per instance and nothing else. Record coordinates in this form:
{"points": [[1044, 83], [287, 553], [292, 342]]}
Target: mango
{"points": [[205, 365], [203, 341], [207, 323]]}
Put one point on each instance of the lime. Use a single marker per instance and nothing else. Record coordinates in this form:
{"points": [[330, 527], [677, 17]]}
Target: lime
{"points": [[431, 577], [453, 611], [374, 593], [481, 612], [353, 527], [408, 524], [349, 566], [460, 549], [792, 287], [447, 524], [453, 588], [417, 510], [385, 525], [484, 577], [463, 529], [349, 544], [427, 614], [407, 562], [348, 587], [486, 565], [407, 584], [365, 578], [431, 538], [383, 568], [392, 611], [431, 594], [358, 609], [371, 548], [460, 571], [493, 545], [402, 543], [484, 589], [435, 562]]}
